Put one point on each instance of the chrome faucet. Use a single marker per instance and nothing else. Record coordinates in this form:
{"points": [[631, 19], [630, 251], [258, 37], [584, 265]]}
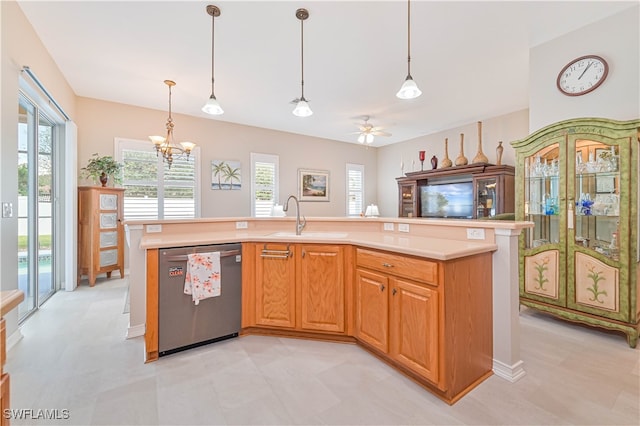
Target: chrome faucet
{"points": [[299, 226]]}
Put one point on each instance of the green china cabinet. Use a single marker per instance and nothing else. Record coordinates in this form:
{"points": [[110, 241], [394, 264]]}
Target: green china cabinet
{"points": [[577, 181]]}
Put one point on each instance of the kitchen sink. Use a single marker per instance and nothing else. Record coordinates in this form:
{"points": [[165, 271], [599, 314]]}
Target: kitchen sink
{"points": [[318, 235]]}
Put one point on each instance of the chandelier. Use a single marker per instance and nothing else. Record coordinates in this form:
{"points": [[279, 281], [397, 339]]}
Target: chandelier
{"points": [[166, 145]]}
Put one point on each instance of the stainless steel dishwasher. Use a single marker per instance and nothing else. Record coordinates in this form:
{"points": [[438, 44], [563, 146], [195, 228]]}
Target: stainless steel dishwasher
{"points": [[183, 325]]}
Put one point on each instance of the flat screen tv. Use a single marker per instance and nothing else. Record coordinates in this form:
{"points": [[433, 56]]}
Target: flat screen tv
{"points": [[451, 200]]}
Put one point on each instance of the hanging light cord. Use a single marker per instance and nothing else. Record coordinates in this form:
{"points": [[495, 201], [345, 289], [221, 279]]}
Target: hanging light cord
{"points": [[169, 140], [213, 23], [302, 58], [409, 38]]}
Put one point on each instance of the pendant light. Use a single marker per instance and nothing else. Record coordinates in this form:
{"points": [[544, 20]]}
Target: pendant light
{"points": [[409, 89], [212, 106], [302, 107], [166, 145]]}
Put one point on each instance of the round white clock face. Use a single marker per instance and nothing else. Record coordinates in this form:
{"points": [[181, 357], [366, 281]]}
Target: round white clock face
{"points": [[582, 75]]}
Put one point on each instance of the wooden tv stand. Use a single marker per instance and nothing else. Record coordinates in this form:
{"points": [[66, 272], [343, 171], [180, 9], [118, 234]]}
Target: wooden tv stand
{"points": [[493, 188]]}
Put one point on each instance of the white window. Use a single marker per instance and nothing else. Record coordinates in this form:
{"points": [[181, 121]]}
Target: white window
{"points": [[355, 189], [264, 183], [152, 189]]}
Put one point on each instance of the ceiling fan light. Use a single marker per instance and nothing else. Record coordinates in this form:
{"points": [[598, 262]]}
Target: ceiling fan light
{"points": [[212, 106], [302, 109], [369, 138], [361, 138], [409, 89]]}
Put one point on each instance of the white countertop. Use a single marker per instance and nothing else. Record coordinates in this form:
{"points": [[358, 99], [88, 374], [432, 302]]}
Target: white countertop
{"points": [[434, 248]]}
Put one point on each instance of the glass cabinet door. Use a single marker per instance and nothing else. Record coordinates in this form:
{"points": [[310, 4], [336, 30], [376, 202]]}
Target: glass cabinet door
{"points": [[408, 200], [486, 197], [542, 196], [596, 191]]}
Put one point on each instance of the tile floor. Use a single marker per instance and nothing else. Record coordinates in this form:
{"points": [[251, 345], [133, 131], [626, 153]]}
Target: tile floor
{"points": [[74, 356]]}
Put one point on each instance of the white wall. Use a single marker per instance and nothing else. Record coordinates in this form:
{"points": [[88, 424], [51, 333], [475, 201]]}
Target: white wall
{"points": [[219, 140], [616, 39]]}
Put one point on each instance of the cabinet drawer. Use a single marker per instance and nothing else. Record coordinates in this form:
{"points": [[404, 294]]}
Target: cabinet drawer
{"points": [[108, 239], [416, 269], [108, 202], [108, 257], [108, 220]]}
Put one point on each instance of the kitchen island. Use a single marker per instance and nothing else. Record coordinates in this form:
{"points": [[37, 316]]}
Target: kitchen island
{"points": [[440, 241]]}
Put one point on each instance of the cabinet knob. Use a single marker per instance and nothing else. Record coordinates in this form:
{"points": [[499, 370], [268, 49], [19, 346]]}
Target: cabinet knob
{"points": [[381, 287], [395, 290]]}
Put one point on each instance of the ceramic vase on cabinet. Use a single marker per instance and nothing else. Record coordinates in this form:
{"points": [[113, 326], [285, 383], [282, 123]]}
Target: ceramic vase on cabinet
{"points": [[446, 162], [461, 160], [499, 150], [480, 157]]}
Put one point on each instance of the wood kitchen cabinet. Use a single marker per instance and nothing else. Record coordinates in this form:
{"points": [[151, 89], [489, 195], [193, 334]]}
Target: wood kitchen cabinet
{"points": [[430, 319], [100, 232], [322, 290], [300, 286], [275, 286]]}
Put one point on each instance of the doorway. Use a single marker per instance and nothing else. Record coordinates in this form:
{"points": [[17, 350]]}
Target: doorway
{"points": [[36, 212]]}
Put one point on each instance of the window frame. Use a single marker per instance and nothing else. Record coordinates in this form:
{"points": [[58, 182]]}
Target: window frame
{"points": [[139, 145], [357, 168], [264, 158]]}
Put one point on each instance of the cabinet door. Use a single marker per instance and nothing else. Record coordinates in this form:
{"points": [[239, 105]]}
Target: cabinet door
{"points": [[414, 328], [372, 309], [542, 200], [322, 288], [598, 256], [275, 286], [407, 203]]}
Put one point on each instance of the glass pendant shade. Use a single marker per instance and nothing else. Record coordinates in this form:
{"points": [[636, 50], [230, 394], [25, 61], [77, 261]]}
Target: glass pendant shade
{"points": [[302, 109], [212, 106], [409, 89]]}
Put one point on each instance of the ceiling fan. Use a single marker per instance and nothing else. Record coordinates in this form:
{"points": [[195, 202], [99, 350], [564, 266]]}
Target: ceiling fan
{"points": [[367, 131]]}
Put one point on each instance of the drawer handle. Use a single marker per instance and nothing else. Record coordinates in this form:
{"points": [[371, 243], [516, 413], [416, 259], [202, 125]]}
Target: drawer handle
{"points": [[387, 265]]}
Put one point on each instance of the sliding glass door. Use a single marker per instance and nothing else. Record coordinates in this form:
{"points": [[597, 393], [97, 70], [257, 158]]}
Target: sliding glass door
{"points": [[35, 206]]}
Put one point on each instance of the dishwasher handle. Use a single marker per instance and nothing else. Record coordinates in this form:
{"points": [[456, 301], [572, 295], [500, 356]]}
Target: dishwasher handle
{"points": [[184, 257]]}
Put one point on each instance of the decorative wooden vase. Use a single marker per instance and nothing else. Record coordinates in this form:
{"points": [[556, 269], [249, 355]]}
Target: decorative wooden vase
{"points": [[446, 162], [499, 150], [480, 157], [461, 160]]}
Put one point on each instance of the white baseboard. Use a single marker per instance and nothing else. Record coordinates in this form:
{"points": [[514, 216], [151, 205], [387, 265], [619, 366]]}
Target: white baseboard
{"points": [[135, 331], [14, 338], [512, 373]]}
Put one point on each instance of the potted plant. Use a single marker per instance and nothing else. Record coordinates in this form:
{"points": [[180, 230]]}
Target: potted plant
{"points": [[102, 168]]}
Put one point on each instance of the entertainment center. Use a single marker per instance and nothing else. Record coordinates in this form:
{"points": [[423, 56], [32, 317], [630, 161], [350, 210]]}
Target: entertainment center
{"points": [[475, 191]]}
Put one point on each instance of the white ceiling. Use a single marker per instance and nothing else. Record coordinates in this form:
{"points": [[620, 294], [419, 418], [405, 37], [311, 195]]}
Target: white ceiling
{"points": [[470, 59]]}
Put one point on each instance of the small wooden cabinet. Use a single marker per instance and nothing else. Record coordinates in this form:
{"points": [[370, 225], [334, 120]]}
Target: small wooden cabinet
{"points": [[300, 286], [100, 232], [492, 191]]}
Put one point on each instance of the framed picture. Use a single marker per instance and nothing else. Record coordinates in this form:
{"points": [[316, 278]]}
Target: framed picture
{"points": [[225, 174], [313, 185]]}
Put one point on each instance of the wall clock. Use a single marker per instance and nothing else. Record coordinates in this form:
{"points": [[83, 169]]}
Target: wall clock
{"points": [[582, 75]]}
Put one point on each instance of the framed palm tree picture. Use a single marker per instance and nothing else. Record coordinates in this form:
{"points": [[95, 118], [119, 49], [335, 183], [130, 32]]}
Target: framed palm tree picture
{"points": [[225, 175]]}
